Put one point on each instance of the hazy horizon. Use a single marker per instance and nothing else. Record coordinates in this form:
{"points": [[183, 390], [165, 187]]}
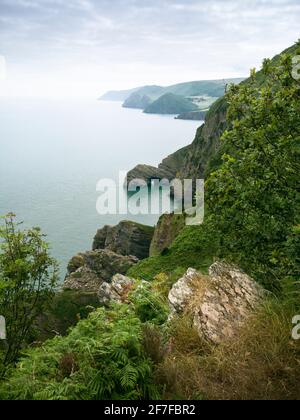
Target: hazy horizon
{"points": [[84, 48]]}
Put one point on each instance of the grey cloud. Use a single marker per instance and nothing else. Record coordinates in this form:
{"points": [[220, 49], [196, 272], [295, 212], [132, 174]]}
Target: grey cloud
{"points": [[170, 37]]}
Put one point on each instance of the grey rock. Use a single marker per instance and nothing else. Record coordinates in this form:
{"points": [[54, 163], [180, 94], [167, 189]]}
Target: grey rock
{"points": [[116, 291], [148, 173], [182, 292], [84, 279], [127, 238], [222, 302], [95, 268]]}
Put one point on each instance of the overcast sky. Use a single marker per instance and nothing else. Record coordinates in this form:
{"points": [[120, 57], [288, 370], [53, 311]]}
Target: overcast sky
{"points": [[85, 47]]}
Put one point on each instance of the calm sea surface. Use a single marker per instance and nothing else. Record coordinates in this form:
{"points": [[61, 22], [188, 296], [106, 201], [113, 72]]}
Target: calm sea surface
{"points": [[52, 153]]}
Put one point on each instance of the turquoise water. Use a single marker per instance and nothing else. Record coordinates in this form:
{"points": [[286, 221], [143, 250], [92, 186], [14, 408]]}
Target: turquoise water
{"points": [[52, 153]]}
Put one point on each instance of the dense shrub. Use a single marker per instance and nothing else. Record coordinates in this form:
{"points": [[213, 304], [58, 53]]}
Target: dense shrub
{"points": [[101, 358], [254, 197]]}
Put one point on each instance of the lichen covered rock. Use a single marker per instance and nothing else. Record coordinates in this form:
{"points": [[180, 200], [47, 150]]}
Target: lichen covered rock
{"points": [[182, 292], [220, 303], [116, 291]]}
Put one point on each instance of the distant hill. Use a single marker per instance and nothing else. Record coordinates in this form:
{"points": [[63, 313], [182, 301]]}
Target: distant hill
{"points": [[181, 98], [137, 101], [212, 88], [171, 104], [153, 92], [122, 95]]}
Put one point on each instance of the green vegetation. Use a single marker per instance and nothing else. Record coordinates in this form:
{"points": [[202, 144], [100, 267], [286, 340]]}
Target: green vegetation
{"points": [[63, 311], [129, 351], [212, 88], [254, 196], [101, 358], [252, 192], [28, 276], [195, 247], [259, 364]]}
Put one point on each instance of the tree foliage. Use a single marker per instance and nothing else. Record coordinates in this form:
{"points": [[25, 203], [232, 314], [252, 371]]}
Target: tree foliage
{"points": [[27, 279], [253, 197]]}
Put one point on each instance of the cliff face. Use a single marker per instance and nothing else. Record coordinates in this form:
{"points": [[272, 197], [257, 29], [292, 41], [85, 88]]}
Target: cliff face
{"points": [[191, 161], [206, 144], [127, 238], [168, 228]]}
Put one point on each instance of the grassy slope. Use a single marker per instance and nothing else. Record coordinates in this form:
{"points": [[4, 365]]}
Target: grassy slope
{"points": [[192, 248]]}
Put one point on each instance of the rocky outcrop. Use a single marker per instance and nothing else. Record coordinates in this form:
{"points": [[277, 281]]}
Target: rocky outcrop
{"points": [[168, 169], [167, 229], [84, 279], [146, 173], [116, 291], [182, 292], [219, 303], [127, 238], [87, 271]]}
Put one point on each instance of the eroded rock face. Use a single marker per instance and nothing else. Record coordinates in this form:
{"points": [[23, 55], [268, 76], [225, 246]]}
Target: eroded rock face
{"points": [[167, 229], [89, 270], [83, 279], [127, 238], [182, 292], [116, 291], [221, 302], [148, 173]]}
